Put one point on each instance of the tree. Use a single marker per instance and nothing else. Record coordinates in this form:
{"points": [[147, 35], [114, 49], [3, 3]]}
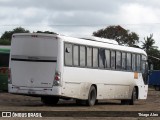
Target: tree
{"points": [[148, 43], [118, 33], [7, 35], [152, 51], [46, 32], [153, 58], [5, 42]]}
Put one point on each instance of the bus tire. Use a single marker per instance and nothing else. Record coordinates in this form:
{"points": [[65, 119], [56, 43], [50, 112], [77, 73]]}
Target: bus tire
{"points": [[91, 96], [50, 100], [132, 100], [134, 96]]}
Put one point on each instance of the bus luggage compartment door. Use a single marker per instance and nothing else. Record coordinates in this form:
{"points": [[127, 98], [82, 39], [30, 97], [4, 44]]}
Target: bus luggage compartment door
{"points": [[32, 74]]}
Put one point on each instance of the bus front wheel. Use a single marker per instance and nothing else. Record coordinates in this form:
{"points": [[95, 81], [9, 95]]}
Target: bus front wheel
{"points": [[92, 96], [132, 100], [134, 96], [48, 100]]}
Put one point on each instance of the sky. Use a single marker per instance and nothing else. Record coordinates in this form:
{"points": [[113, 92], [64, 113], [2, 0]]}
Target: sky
{"points": [[81, 18]]}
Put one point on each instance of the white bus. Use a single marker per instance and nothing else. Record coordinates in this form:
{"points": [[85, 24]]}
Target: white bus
{"points": [[53, 66]]}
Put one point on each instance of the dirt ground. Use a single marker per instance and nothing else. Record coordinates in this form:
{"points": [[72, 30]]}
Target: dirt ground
{"points": [[10, 102]]}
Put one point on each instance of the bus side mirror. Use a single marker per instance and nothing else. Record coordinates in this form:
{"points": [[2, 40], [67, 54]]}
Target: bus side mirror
{"points": [[151, 67], [150, 70]]}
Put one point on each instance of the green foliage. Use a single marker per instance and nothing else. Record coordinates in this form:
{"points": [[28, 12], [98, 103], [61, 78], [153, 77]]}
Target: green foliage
{"points": [[124, 37], [148, 43], [118, 33], [152, 52], [5, 42], [153, 58], [121, 35], [8, 34], [46, 32]]}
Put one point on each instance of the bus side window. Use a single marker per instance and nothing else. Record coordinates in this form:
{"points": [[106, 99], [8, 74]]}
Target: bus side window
{"points": [[95, 57], [76, 55], [68, 54], [102, 58], [128, 61], [108, 59], [138, 62], [118, 60], [89, 56], [123, 60], [82, 56], [133, 62], [113, 60]]}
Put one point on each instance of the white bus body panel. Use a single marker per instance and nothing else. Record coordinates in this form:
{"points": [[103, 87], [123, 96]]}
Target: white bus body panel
{"points": [[143, 89], [33, 74], [111, 84], [109, 87]]}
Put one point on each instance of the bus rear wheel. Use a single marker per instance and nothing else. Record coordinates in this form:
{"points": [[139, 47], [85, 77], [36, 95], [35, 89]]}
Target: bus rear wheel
{"points": [[50, 100], [92, 96]]}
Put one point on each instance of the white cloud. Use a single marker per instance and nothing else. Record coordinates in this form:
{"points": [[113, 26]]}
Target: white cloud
{"points": [[142, 19], [138, 16]]}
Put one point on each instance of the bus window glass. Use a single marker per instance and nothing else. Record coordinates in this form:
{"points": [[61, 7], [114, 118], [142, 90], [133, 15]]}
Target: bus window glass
{"points": [[118, 60], [133, 62], [102, 58], [124, 61], [75, 55], [113, 59], [82, 56], [107, 54], [89, 57], [128, 61], [68, 54], [4, 60], [95, 57], [138, 62]]}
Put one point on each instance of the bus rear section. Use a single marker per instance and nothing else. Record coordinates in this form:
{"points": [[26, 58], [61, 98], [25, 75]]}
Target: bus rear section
{"points": [[33, 65]]}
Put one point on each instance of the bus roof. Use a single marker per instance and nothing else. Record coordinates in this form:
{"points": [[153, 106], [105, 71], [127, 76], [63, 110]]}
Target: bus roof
{"points": [[93, 41], [103, 40], [102, 44]]}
